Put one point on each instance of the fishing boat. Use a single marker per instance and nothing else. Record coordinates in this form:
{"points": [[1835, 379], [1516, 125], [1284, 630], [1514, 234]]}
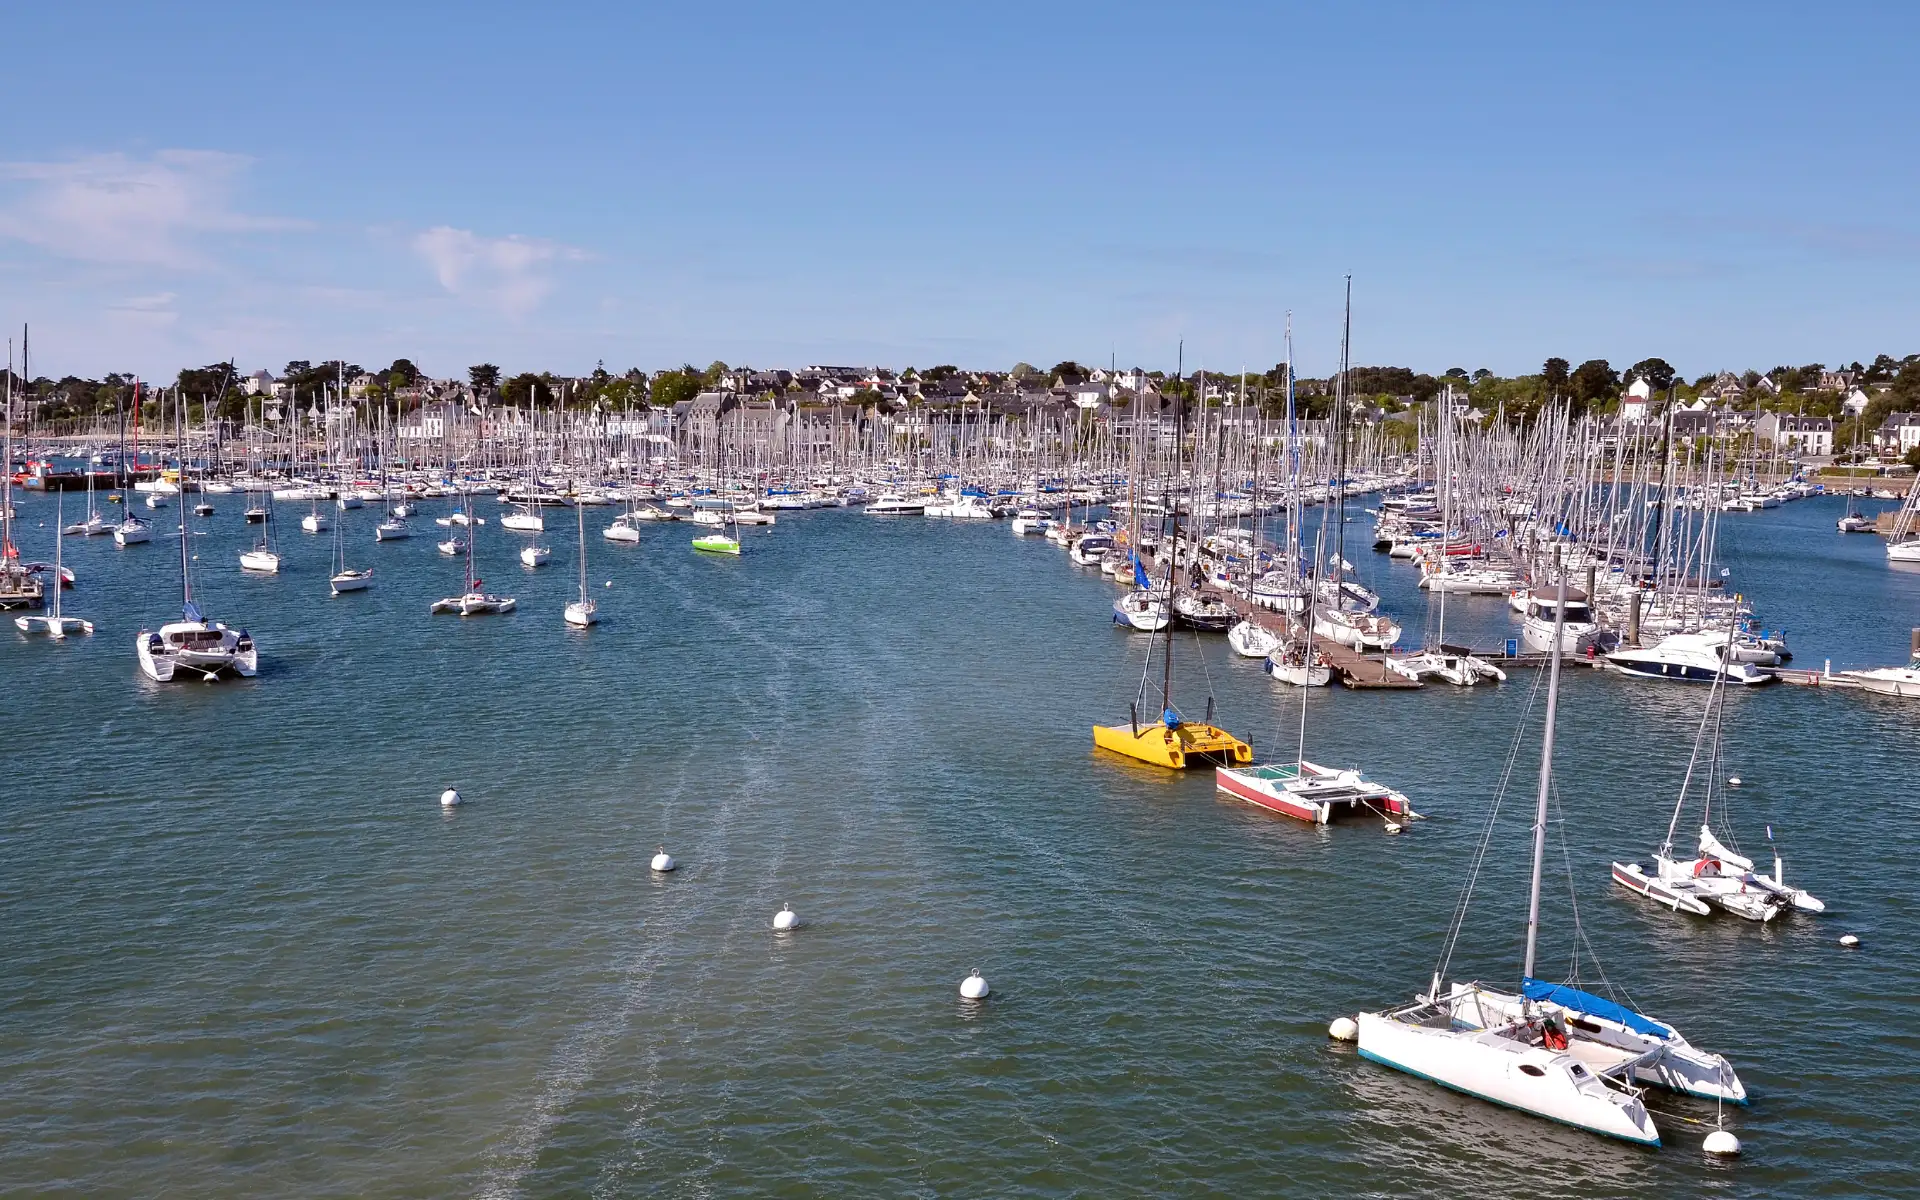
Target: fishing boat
{"points": [[1309, 792], [583, 611], [1549, 1050]]}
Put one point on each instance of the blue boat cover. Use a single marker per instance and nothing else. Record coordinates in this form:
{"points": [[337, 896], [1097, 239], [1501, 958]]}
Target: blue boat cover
{"points": [[192, 612], [1140, 575], [1592, 1005]]}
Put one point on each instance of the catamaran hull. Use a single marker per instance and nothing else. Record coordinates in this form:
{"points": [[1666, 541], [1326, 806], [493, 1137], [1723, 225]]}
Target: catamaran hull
{"points": [[1608, 1047], [1490, 1073], [1632, 877], [163, 668], [1187, 745], [56, 628]]}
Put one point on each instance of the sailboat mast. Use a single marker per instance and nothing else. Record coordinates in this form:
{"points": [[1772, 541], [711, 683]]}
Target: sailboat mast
{"points": [[186, 577], [1546, 769], [1338, 431]]}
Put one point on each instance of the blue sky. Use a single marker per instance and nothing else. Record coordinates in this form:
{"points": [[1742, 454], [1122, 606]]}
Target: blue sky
{"points": [[548, 186]]}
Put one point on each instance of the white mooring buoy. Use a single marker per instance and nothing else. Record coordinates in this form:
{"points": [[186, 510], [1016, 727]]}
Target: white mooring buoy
{"points": [[663, 861], [449, 798], [974, 986], [1393, 827], [786, 918], [1850, 941], [1721, 1144], [1733, 781], [1344, 1029]]}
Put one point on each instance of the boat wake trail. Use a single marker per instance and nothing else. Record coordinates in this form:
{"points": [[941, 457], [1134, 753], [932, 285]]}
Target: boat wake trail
{"points": [[578, 1058]]}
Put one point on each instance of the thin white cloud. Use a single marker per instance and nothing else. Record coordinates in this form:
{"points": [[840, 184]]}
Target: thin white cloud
{"points": [[509, 273], [158, 302], [120, 210]]}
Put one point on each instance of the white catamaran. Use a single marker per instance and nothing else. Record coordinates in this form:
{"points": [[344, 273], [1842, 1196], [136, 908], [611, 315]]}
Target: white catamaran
{"points": [[194, 647], [1547, 1049]]}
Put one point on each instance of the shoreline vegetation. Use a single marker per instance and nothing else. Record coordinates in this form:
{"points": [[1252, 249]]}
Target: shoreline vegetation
{"points": [[1852, 413]]}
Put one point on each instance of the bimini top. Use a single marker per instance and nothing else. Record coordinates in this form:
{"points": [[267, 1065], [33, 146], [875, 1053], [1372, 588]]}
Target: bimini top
{"points": [[1592, 1005]]}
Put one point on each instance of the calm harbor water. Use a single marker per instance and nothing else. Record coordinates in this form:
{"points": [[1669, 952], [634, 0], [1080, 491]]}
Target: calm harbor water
{"points": [[246, 953]]}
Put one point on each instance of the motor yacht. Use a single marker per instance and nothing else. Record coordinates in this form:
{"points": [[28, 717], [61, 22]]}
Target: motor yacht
{"points": [[892, 504], [1688, 658], [1579, 632]]}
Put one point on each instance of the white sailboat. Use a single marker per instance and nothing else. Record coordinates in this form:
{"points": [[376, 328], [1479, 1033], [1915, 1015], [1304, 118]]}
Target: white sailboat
{"points": [[472, 600], [1250, 639], [264, 557], [345, 578], [132, 532], [1903, 540], [95, 523], [194, 647], [1716, 876], [582, 612], [1546, 1049], [54, 624]]}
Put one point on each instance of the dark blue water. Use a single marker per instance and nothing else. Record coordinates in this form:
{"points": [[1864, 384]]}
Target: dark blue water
{"points": [[246, 953]]}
